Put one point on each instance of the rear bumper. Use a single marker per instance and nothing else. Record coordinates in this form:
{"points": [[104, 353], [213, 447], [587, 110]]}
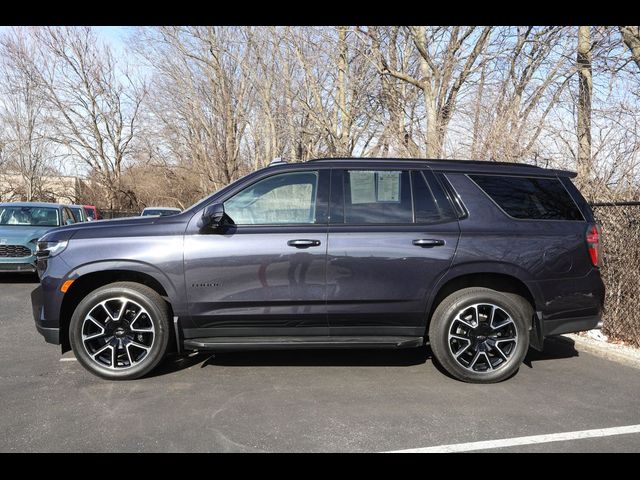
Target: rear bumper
{"points": [[570, 325], [570, 300]]}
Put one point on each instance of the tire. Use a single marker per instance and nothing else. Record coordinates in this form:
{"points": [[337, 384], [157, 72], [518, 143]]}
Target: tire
{"points": [[120, 331], [474, 346]]}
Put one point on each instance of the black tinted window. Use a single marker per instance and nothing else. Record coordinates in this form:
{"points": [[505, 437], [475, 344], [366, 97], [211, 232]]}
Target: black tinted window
{"points": [[377, 196], [530, 198], [430, 200]]}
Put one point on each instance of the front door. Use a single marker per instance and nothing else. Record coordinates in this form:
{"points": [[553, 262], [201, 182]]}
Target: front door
{"points": [[392, 235], [265, 275]]}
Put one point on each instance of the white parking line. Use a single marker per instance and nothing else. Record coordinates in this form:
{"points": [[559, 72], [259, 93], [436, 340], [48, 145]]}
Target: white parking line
{"points": [[69, 359], [510, 442]]}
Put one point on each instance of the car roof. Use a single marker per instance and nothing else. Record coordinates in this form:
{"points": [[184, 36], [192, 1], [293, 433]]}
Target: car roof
{"points": [[449, 165], [162, 208], [32, 204]]}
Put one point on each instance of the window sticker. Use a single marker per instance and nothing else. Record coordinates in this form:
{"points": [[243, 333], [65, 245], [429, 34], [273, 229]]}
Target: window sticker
{"points": [[363, 188], [389, 186]]}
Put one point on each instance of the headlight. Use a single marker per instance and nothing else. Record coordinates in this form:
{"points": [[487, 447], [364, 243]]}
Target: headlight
{"points": [[51, 249], [33, 241]]}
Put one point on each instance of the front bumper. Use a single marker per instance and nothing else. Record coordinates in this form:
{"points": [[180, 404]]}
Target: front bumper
{"points": [[48, 328], [51, 335], [18, 264]]}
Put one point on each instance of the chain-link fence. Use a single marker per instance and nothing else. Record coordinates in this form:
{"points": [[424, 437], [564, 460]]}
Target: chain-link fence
{"points": [[620, 223]]}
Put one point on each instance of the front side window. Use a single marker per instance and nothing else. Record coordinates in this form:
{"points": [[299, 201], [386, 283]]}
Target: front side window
{"points": [[67, 216], [377, 197], [35, 216], [530, 197], [287, 198]]}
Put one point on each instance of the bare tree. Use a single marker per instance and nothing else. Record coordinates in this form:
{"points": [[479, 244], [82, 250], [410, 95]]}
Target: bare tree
{"points": [[447, 60], [585, 86], [26, 148], [631, 38], [93, 104], [201, 96], [518, 89]]}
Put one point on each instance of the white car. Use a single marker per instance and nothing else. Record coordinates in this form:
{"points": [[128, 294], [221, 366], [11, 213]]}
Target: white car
{"points": [[159, 211]]}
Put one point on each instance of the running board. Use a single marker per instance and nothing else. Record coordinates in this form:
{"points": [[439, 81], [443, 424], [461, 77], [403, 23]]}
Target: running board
{"points": [[288, 343]]}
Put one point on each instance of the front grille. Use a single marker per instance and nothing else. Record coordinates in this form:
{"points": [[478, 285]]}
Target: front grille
{"points": [[14, 251]]}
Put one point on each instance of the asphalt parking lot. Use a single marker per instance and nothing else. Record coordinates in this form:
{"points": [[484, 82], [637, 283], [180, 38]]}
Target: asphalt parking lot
{"points": [[301, 401]]}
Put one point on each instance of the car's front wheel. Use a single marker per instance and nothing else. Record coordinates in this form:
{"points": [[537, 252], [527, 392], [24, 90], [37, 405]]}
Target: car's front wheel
{"points": [[481, 335], [120, 331]]}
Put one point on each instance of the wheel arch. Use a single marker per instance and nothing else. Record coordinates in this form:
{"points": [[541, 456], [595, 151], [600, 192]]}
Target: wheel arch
{"points": [[85, 281], [502, 277]]}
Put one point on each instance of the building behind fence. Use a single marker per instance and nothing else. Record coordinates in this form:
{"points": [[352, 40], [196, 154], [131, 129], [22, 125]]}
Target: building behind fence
{"points": [[620, 223]]}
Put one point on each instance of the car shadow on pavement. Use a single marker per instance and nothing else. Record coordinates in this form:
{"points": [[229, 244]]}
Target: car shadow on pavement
{"points": [[323, 358], [554, 349], [18, 278], [296, 358]]}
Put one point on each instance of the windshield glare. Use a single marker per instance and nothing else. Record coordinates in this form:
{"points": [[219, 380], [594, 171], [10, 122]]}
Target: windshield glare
{"points": [[36, 216]]}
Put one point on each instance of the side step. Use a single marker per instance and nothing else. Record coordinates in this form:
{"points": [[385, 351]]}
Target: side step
{"points": [[308, 342]]}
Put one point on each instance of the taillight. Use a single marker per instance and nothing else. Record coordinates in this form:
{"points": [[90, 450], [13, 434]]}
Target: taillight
{"points": [[593, 244]]}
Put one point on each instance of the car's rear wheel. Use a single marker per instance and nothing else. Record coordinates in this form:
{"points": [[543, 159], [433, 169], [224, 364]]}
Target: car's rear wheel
{"points": [[481, 335], [120, 331]]}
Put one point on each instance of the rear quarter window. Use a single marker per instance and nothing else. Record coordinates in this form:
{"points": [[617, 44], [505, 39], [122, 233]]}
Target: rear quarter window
{"points": [[529, 198]]}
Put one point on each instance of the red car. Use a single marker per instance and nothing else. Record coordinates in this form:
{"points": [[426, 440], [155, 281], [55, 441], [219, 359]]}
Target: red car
{"points": [[92, 213]]}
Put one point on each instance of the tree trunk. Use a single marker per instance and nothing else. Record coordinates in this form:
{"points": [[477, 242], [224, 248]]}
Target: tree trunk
{"points": [[342, 122], [631, 38], [585, 87]]}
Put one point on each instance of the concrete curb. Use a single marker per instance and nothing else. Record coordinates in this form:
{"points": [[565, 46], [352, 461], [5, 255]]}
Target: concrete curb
{"points": [[616, 353]]}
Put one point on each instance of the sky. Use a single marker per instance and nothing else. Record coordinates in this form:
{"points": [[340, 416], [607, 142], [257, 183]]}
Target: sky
{"points": [[114, 35]]}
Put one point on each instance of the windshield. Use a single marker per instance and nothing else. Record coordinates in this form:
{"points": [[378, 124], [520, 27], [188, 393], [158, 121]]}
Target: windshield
{"points": [[160, 212], [36, 216]]}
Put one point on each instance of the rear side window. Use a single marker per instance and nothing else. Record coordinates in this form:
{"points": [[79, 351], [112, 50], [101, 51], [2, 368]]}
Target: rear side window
{"points": [[430, 200], [377, 196], [530, 198]]}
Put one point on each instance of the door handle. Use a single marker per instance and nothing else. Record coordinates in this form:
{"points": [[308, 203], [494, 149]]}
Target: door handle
{"points": [[428, 242], [303, 243]]}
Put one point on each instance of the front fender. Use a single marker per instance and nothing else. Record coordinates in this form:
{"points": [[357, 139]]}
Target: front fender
{"points": [[172, 282]]}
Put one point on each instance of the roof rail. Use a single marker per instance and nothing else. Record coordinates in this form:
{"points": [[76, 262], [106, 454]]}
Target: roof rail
{"points": [[277, 161], [433, 160]]}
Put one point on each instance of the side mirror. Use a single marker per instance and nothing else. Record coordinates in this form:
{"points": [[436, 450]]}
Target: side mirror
{"points": [[213, 216], [69, 222]]}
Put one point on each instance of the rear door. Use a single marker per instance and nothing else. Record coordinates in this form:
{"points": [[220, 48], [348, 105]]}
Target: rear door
{"points": [[392, 235]]}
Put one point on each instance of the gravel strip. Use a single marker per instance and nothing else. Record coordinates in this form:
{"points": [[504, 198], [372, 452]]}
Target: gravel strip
{"points": [[618, 353]]}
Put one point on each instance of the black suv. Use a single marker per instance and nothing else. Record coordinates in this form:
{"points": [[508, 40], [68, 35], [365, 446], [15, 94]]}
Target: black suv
{"points": [[481, 260]]}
